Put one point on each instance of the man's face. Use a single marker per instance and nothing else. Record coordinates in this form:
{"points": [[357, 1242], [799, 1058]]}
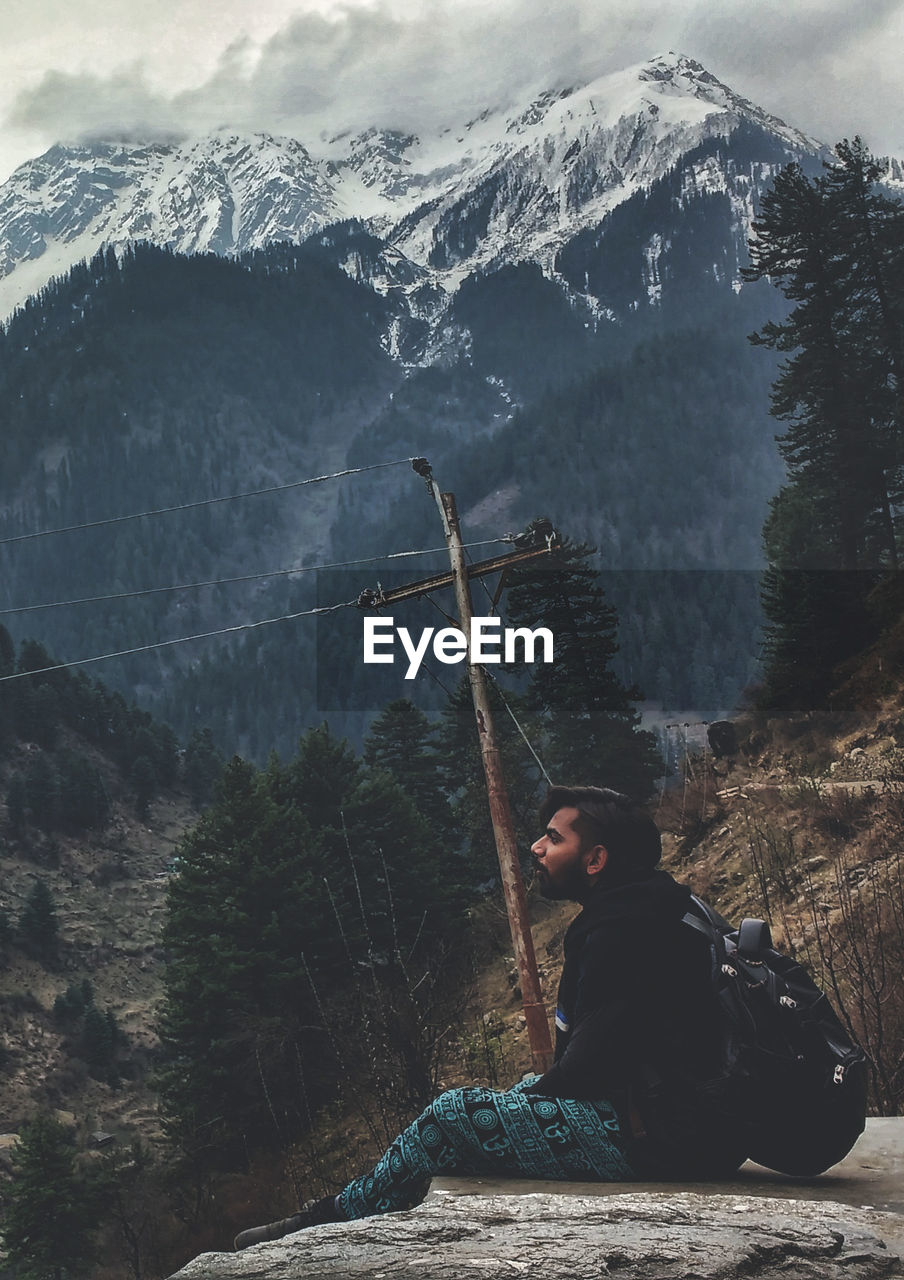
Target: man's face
{"points": [[565, 868]]}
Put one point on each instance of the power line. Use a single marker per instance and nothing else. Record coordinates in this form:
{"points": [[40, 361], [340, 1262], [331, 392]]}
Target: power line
{"points": [[162, 644], [530, 748], [247, 577], [202, 502], [222, 631]]}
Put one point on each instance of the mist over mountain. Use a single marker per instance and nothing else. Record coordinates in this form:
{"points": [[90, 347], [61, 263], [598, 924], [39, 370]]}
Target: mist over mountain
{"points": [[547, 303]]}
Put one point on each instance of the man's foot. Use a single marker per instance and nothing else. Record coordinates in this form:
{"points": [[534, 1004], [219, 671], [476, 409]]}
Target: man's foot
{"points": [[314, 1213]]}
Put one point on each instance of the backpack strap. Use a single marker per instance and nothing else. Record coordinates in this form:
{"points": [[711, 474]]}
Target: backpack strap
{"points": [[696, 923], [711, 923], [707, 927]]}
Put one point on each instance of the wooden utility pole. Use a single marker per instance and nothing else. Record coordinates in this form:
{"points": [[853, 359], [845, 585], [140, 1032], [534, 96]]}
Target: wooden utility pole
{"points": [[500, 812]]}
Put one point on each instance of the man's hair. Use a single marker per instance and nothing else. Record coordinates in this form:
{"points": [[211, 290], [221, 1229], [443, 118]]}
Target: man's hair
{"points": [[611, 819]]}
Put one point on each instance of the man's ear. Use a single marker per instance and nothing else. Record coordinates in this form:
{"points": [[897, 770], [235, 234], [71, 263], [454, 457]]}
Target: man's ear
{"points": [[597, 858]]}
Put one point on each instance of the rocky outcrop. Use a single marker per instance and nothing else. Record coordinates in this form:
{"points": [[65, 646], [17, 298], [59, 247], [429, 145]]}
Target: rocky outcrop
{"points": [[642, 1236]]}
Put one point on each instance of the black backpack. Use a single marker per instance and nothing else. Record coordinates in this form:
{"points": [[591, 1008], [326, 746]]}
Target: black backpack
{"points": [[792, 1080]]}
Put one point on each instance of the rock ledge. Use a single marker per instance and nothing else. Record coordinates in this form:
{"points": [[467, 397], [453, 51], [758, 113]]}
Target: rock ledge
{"points": [[641, 1236]]}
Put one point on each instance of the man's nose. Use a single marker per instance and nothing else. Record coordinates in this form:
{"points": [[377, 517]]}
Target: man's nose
{"points": [[538, 847]]}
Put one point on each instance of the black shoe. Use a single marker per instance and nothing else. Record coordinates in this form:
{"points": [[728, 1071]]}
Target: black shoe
{"points": [[314, 1213]]}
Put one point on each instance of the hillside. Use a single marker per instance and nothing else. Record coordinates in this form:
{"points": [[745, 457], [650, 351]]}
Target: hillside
{"points": [[96, 796], [808, 812], [801, 827], [110, 894]]}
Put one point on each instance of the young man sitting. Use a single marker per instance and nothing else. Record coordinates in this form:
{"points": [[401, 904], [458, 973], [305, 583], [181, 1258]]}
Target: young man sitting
{"points": [[637, 1038]]}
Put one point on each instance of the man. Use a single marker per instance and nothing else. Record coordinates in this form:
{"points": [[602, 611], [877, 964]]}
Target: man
{"points": [[636, 1039]]}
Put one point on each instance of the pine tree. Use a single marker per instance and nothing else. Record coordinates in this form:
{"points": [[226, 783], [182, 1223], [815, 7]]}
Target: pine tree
{"points": [[590, 722], [461, 767], [368, 829], [395, 895], [99, 1036], [83, 799], [38, 924], [834, 245], [403, 742], [296, 881], [42, 790], [17, 803], [7, 691], [815, 617], [870, 242], [816, 391], [143, 777], [203, 764], [50, 1210], [240, 910]]}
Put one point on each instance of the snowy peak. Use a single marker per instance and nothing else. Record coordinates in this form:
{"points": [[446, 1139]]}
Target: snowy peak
{"points": [[686, 77], [189, 193], [673, 88], [518, 185]]}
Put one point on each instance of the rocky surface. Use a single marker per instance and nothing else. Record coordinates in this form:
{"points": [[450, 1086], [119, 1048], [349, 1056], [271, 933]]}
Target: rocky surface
{"points": [[649, 1235]]}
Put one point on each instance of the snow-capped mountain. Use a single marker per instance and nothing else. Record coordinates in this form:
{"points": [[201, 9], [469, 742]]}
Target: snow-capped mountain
{"points": [[512, 185]]}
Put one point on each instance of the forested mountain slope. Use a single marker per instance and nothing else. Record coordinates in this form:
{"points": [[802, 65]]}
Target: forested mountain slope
{"points": [[160, 381]]}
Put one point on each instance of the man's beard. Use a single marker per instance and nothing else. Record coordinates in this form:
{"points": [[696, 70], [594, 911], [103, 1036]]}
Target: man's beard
{"points": [[570, 884]]}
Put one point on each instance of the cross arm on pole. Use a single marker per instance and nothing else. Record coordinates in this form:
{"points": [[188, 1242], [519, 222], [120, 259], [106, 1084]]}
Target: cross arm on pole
{"points": [[377, 599]]}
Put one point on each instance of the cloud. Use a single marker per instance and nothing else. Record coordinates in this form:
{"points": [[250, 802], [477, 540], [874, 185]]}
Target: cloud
{"points": [[364, 65], [425, 63], [69, 106], [816, 63]]}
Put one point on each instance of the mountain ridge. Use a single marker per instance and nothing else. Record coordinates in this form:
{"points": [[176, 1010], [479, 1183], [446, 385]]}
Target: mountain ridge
{"points": [[541, 173]]}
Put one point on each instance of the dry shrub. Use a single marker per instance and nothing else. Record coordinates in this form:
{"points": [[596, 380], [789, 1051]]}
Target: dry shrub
{"points": [[690, 807], [776, 863], [840, 813], [841, 914], [854, 944]]}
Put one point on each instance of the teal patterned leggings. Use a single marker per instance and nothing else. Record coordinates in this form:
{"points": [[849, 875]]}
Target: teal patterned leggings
{"points": [[479, 1132]]}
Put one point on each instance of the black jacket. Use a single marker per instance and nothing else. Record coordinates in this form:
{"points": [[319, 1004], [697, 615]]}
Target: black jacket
{"points": [[637, 1024]]}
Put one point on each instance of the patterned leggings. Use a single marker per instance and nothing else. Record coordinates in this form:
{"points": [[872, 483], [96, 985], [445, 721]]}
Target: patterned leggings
{"points": [[478, 1131]]}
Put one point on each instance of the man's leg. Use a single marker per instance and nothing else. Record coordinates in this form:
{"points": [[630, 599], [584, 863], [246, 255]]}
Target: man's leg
{"points": [[478, 1131], [474, 1131]]}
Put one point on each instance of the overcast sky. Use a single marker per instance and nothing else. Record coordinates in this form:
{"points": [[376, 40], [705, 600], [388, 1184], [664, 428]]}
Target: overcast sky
{"points": [[74, 69]]}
